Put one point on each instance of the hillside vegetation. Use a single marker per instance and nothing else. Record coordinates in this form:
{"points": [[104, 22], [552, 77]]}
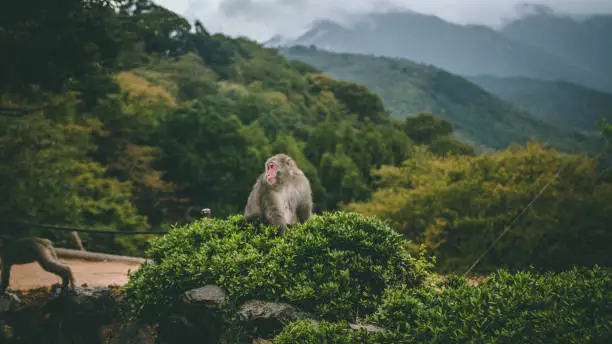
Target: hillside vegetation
{"points": [[454, 205], [566, 105], [408, 88]]}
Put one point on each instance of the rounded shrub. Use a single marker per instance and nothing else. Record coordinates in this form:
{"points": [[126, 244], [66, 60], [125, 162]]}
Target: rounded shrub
{"points": [[524, 307], [336, 265]]}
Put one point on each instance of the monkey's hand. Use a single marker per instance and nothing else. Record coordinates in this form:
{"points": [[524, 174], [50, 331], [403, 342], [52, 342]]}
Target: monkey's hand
{"points": [[282, 229]]}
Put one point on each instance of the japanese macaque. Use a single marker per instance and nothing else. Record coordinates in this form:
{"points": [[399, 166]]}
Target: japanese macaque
{"points": [[16, 251], [281, 196]]}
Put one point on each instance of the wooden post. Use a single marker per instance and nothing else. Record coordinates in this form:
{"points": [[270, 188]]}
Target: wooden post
{"points": [[206, 212], [77, 240]]}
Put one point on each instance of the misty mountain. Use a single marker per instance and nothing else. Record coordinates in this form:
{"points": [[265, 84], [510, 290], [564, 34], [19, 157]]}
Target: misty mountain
{"points": [[468, 50], [408, 88], [560, 103], [584, 43]]}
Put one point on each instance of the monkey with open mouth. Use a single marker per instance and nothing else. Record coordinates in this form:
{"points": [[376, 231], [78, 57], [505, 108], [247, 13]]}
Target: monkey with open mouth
{"points": [[281, 196]]}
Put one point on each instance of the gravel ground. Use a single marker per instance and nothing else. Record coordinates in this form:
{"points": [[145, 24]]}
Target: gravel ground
{"points": [[29, 276]]}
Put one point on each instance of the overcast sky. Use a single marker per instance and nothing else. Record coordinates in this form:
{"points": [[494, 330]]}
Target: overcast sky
{"points": [[260, 19]]}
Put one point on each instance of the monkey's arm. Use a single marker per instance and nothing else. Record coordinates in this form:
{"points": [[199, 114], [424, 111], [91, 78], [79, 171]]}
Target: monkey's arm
{"points": [[252, 210]]}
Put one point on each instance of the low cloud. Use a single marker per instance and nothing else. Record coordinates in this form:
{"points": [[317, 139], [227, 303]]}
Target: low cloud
{"points": [[260, 19]]}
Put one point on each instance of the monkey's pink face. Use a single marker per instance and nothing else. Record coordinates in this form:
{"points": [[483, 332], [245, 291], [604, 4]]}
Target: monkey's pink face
{"points": [[271, 171]]}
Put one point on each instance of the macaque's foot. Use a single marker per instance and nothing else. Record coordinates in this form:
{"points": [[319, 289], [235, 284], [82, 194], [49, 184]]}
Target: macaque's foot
{"points": [[282, 230]]}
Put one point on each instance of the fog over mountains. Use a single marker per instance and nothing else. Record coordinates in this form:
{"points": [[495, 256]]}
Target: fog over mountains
{"points": [[541, 44]]}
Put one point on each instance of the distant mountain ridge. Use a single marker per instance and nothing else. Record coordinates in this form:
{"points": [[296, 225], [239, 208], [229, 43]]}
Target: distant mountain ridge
{"points": [[472, 50], [409, 88], [559, 103], [586, 43]]}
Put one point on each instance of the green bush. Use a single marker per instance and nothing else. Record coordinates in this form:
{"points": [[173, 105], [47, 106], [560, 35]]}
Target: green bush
{"points": [[568, 307], [306, 332], [336, 265]]}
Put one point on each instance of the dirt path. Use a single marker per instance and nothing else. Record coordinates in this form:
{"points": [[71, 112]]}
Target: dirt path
{"points": [[28, 276]]}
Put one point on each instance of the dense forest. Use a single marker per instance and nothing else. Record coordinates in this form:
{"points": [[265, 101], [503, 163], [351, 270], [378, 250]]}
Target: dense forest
{"points": [[150, 118]]}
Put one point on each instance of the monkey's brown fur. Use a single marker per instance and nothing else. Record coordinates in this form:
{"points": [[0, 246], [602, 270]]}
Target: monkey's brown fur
{"points": [[16, 251], [282, 195]]}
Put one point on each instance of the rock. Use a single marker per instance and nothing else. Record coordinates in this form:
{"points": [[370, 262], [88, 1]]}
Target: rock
{"points": [[95, 304], [268, 318], [76, 315], [179, 329], [134, 333], [261, 341], [196, 317], [367, 327], [209, 296], [72, 316]]}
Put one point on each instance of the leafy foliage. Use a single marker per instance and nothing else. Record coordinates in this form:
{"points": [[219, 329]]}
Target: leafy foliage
{"points": [[306, 332], [82, 41], [571, 306], [549, 308], [427, 129], [458, 205], [337, 265]]}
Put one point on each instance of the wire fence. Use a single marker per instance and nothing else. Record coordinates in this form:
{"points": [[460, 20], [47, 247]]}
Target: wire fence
{"points": [[81, 230]]}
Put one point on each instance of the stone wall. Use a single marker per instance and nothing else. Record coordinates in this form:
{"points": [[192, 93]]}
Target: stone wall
{"points": [[99, 315]]}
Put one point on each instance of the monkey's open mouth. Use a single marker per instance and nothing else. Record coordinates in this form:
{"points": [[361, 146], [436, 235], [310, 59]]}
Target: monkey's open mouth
{"points": [[271, 173]]}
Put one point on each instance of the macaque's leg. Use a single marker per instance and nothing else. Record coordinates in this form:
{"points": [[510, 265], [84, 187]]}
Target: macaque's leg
{"points": [[54, 254], [50, 263], [275, 215], [304, 211], [6, 277]]}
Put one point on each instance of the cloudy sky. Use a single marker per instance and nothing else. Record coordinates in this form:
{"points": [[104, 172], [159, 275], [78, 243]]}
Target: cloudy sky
{"points": [[260, 19]]}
